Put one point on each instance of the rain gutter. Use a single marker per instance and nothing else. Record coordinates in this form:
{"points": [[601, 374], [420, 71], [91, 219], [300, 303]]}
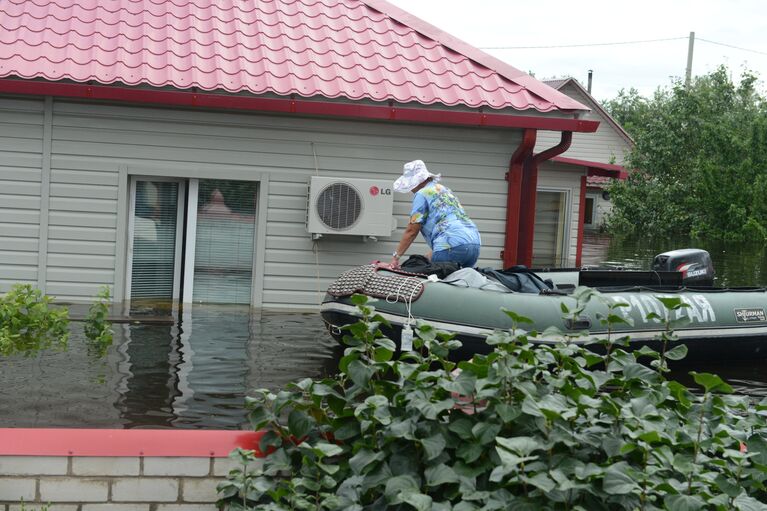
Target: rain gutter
{"points": [[291, 105]]}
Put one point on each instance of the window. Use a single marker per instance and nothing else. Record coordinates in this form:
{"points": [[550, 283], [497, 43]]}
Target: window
{"points": [[550, 237], [588, 215]]}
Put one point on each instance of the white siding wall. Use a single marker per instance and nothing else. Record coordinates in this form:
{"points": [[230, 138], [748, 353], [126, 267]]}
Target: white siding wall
{"points": [[91, 142], [560, 177], [21, 146], [82, 223], [606, 145]]}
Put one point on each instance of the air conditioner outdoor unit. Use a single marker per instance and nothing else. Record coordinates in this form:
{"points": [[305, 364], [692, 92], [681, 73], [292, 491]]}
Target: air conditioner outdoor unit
{"points": [[361, 207]]}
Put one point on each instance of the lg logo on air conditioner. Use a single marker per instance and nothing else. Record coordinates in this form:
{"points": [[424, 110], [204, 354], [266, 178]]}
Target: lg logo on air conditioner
{"points": [[374, 190]]}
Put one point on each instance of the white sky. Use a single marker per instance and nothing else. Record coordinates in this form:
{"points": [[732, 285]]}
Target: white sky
{"points": [[493, 23]]}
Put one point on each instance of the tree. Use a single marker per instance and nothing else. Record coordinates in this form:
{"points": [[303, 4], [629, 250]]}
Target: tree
{"points": [[700, 162]]}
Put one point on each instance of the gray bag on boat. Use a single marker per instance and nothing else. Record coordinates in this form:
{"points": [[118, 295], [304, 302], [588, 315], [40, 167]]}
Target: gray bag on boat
{"points": [[469, 277]]}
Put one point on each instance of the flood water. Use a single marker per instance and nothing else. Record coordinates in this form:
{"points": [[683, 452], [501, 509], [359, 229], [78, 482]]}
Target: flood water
{"points": [[735, 264], [195, 371]]}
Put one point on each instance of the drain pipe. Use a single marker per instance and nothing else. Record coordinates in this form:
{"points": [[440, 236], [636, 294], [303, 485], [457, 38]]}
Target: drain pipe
{"points": [[528, 194], [514, 195]]}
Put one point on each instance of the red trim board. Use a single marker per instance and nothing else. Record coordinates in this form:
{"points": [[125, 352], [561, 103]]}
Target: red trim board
{"points": [[124, 442]]}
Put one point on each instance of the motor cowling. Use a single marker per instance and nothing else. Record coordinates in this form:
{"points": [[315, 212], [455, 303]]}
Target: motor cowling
{"points": [[694, 264]]}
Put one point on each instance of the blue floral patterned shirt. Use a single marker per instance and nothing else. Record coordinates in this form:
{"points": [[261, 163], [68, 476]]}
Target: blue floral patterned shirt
{"points": [[443, 221]]}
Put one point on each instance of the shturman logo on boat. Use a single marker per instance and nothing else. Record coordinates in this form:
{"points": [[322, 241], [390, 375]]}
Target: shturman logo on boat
{"points": [[749, 315], [374, 190]]}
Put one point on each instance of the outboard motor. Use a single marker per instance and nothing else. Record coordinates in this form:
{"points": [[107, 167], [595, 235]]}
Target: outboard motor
{"points": [[695, 265]]}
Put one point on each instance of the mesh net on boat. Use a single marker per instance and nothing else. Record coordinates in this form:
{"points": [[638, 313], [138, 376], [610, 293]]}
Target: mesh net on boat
{"points": [[366, 280]]}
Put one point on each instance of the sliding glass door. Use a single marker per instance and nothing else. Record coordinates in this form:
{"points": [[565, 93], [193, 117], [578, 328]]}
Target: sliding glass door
{"points": [[155, 226], [191, 240]]}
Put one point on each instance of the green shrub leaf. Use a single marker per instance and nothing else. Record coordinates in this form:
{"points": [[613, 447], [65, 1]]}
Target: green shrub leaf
{"points": [[711, 382], [419, 501], [521, 445], [677, 353], [441, 474], [360, 373], [398, 485], [617, 481], [684, 503], [299, 423], [433, 446]]}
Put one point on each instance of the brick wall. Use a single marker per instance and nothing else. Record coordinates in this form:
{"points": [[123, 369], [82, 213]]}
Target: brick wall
{"points": [[115, 470], [111, 483]]}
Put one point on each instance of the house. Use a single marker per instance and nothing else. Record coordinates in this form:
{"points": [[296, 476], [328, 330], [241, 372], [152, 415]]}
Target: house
{"points": [[600, 155], [166, 149]]}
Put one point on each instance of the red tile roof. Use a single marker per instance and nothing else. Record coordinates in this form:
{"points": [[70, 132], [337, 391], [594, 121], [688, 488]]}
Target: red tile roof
{"points": [[355, 49], [598, 181]]}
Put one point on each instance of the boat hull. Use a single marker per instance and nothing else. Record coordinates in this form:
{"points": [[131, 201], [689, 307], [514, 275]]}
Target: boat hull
{"points": [[723, 324]]}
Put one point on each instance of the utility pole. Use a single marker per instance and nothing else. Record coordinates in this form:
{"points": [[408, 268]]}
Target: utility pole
{"points": [[688, 73]]}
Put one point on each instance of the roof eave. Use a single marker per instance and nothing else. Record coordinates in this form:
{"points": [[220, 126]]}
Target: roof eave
{"points": [[292, 106]]}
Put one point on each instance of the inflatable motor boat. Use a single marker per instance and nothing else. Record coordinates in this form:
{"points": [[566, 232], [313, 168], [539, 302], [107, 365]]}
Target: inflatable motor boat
{"points": [[724, 323]]}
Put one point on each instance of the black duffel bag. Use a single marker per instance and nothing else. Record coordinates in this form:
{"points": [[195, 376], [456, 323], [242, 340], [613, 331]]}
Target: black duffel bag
{"points": [[419, 264]]}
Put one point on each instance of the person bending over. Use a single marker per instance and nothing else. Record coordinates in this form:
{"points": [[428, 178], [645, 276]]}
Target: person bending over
{"points": [[438, 215]]}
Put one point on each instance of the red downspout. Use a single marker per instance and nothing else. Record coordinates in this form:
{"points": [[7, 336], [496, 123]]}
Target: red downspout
{"points": [[525, 249], [527, 209], [513, 195], [581, 220]]}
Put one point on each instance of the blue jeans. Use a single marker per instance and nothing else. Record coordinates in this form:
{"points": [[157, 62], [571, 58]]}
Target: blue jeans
{"points": [[464, 255]]}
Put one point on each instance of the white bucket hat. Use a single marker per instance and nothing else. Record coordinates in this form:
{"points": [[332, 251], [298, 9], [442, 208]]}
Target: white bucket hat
{"points": [[414, 173]]}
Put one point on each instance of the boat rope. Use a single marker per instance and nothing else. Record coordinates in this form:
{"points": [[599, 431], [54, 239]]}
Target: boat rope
{"points": [[419, 285]]}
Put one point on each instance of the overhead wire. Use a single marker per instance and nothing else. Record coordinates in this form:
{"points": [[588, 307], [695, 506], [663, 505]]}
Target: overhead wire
{"points": [[730, 46], [580, 45], [621, 43]]}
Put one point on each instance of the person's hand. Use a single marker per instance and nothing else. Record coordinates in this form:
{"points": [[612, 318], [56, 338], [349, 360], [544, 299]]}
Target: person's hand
{"points": [[394, 264]]}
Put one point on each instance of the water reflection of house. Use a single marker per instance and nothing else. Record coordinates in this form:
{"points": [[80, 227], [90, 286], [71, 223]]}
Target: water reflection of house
{"points": [[253, 107]]}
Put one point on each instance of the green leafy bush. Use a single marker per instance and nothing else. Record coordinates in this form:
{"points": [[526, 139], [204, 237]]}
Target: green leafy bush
{"points": [[699, 166], [528, 427], [98, 329], [28, 322]]}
